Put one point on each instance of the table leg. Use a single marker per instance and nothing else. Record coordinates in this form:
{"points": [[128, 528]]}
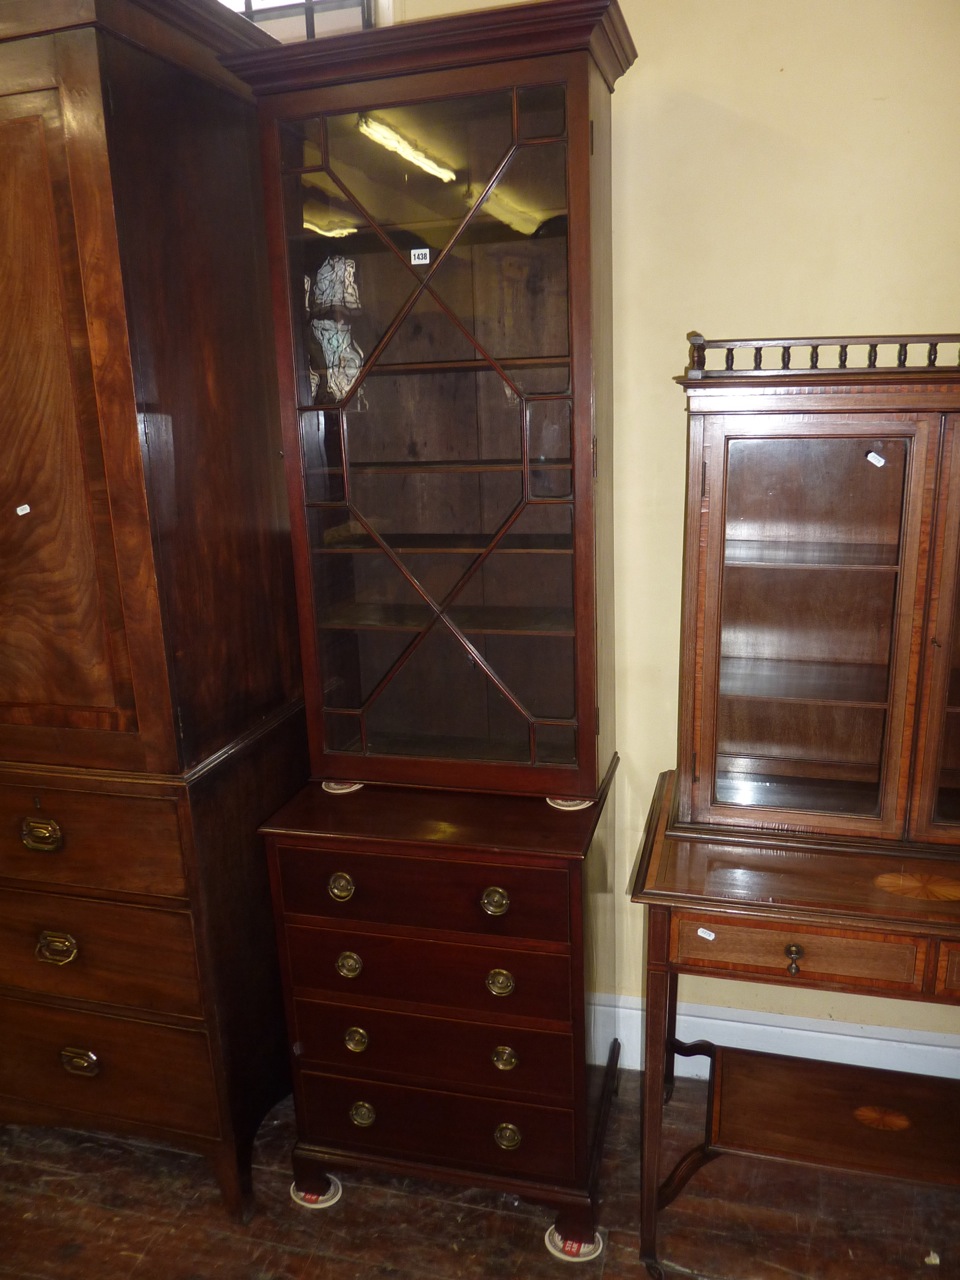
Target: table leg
{"points": [[661, 998]]}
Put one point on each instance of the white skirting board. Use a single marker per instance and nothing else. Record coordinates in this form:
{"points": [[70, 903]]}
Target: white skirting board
{"points": [[923, 1052]]}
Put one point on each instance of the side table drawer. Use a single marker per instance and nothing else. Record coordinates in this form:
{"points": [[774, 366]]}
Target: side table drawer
{"points": [[438, 1051], [429, 893], [92, 840], [497, 980], [805, 954], [112, 953], [100, 1068], [511, 1138]]}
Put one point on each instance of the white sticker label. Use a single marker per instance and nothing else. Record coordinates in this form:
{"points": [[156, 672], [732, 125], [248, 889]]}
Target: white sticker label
{"points": [[876, 460], [23, 509], [705, 933], [420, 257]]}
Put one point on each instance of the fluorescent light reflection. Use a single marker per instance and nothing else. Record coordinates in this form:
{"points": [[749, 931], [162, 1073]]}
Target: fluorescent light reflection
{"points": [[388, 138]]}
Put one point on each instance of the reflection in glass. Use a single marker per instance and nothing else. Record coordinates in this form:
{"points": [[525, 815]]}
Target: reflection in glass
{"points": [[428, 247], [809, 591], [947, 805]]}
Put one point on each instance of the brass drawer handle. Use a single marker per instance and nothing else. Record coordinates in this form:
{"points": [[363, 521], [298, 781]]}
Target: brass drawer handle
{"points": [[504, 1058], [349, 964], [495, 901], [42, 835], [507, 1137], [80, 1062], [794, 952], [56, 948], [356, 1039], [340, 886], [500, 982], [363, 1114]]}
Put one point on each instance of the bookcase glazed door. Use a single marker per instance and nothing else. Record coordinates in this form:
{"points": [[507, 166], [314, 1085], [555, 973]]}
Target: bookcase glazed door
{"points": [[816, 582], [936, 798], [445, 425]]}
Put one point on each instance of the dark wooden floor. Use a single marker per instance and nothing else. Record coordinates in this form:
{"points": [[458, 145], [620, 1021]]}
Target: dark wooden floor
{"points": [[77, 1208]]}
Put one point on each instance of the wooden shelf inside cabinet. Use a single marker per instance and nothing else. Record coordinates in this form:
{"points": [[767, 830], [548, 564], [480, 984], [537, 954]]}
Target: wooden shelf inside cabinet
{"points": [[809, 834]]}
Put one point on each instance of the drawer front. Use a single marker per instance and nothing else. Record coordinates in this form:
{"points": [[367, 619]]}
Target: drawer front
{"points": [[392, 1120], [889, 962], [948, 970], [438, 1051], [115, 954], [429, 893], [95, 1068], [128, 844], [452, 975]]}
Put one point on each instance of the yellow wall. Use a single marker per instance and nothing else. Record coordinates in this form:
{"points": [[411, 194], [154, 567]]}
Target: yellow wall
{"points": [[779, 169]]}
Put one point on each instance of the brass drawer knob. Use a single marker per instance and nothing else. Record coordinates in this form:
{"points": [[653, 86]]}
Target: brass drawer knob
{"points": [[79, 1062], [495, 901], [362, 1114], [507, 1137], [349, 964], [356, 1039], [56, 948], [340, 886], [504, 1058], [42, 835], [500, 982], [794, 953]]}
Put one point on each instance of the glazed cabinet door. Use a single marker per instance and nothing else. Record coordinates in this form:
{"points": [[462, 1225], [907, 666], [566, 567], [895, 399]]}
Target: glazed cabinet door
{"points": [[936, 808], [444, 439], [813, 578], [66, 647]]}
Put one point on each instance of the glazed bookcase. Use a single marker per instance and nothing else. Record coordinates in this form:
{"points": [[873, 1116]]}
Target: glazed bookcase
{"points": [[438, 199]]}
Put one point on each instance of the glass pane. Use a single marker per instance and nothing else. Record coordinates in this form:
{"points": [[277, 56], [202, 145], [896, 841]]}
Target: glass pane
{"points": [[415, 168], [947, 804], [514, 253], [542, 111], [809, 592], [430, 253], [442, 702]]}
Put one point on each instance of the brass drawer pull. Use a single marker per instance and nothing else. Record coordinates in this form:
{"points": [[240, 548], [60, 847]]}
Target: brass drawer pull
{"points": [[495, 901], [80, 1062], [340, 886], [504, 1058], [794, 952], [363, 1114], [56, 948], [500, 982], [507, 1137], [349, 964], [42, 835], [356, 1039]]}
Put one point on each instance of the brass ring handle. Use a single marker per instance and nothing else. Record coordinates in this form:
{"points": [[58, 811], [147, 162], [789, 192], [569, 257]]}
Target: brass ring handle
{"points": [[504, 1058], [56, 948], [79, 1062], [42, 835], [340, 886], [500, 982], [363, 1114], [356, 1039], [495, 901], [507, 1137], [794, 952], [349, 964]]}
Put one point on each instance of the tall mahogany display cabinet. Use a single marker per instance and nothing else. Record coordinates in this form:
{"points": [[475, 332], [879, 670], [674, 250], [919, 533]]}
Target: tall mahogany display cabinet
{"points": [[439, 212], [150, 707], [810, 835]]}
